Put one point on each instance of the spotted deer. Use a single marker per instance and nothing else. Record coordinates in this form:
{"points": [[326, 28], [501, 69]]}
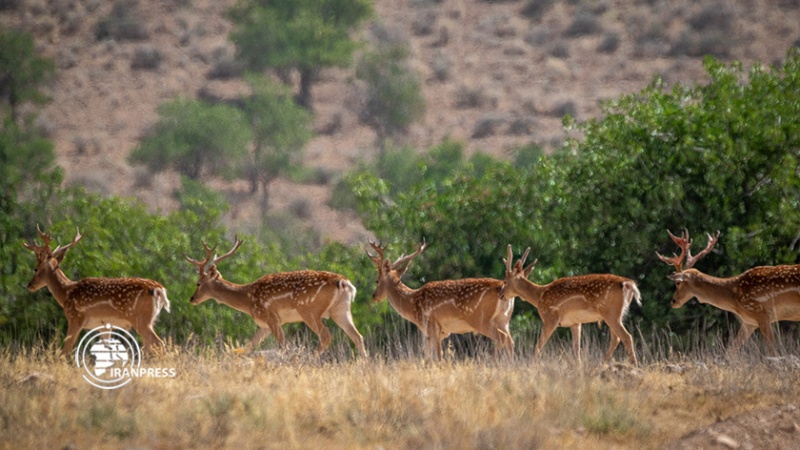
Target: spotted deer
{"points": [[303, 296], [758, 297], [440, 308], [91, 302], [573, 301]]}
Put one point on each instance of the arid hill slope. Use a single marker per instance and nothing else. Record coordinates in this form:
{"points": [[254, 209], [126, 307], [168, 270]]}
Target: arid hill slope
{"points": [[497, 75]]}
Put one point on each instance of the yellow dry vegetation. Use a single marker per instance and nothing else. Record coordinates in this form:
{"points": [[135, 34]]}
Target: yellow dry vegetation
{"points": [[289, 399]]}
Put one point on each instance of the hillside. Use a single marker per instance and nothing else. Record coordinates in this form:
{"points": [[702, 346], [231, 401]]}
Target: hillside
{"points": [[497, 75]]}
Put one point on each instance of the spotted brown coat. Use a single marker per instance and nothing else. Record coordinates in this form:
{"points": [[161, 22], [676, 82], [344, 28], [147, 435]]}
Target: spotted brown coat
{"points": [[275, 299], [91, 302]]}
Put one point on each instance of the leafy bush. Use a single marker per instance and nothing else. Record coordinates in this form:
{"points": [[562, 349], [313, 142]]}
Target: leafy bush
{"points": [[123, 24], [393, 97], [195, 138], [301, 35], [585, 23], [536, 9], [723, 155], [146, 58]]}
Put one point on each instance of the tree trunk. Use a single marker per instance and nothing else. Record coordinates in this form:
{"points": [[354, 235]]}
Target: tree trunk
{"points": [[307, 77]]}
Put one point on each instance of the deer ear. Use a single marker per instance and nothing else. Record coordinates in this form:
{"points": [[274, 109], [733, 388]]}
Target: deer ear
{"points": [[213, 272], [677, 276], [60, 257]]}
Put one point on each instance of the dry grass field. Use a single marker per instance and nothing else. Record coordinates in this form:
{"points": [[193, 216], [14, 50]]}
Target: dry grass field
{"points": [[289, 399]]}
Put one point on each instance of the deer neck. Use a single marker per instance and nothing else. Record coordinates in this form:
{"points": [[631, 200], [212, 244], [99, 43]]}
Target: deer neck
{"points": [[237, 296], [529, 291], [403, 299], [58, 283], [718, 292]]}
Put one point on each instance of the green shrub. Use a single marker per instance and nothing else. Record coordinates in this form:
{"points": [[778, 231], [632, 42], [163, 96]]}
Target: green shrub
{"points": [[123, 24]]}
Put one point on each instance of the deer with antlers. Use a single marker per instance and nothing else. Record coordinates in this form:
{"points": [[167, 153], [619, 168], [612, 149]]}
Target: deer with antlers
{"points": [[303, 296], [573, 301], [758, 297], [92, 302], [441, 308]]}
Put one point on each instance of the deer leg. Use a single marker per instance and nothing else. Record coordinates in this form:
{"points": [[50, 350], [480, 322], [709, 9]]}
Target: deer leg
{"points": [[576, 340], [74, 328], [260, 335], [344, 318], [322, 331], [434, 340], [618, 330], [150, 338], [744, 334], [548, 327], [274, 324], [612, 346], [766, 329], [504, 342]]}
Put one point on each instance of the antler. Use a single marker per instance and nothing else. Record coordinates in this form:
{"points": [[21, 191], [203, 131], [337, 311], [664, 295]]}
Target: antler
{"points": [[39, 249], [378, 258], [44, 250], [685, 244], [712, 241], [60, 251], [509, 258], [401, 265], [237, 243], [518, 266], [201, 265]]}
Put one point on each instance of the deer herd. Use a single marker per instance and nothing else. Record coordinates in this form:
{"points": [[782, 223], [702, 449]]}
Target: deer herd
{"points": [[758, 297]]}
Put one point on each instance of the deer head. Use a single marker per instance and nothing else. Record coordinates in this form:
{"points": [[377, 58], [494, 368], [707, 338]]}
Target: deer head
{"points": [[207, 271], [47, 260], [388, 272]]}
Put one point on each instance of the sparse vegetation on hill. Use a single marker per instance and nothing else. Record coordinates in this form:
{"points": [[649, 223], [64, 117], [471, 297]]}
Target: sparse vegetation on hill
{"points": [[711, 145]]}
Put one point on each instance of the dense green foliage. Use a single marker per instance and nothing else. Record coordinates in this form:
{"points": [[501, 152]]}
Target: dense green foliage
{"points": [[196, 138], [301, 35], [22, 71], [719, 155], [280, 128], [393, 98], [722, 155]]}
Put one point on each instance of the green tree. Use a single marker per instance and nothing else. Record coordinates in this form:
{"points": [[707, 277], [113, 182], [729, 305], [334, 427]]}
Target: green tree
{"points": [[722, 155], [297, 35], [196, 138], [393, 93], [281, 129], [29, 177], [22, 71]]}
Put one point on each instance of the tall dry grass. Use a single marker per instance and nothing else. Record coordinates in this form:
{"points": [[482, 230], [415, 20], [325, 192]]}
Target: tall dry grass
{"points": [[392, 400]]}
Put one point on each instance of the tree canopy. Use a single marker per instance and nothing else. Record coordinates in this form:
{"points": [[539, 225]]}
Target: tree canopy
{"points": [[196, 138], [301, 35], [22, 71], [716, 156]]}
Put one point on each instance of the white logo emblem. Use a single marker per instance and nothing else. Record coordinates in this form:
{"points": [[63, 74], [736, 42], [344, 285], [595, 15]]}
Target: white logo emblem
{"points": [[107, 354]]}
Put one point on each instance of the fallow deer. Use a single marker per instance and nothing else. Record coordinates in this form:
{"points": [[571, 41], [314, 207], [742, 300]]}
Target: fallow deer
{"points": [[91, 302], [440, 308], [302, 296], [758, 297], [572, 301]]}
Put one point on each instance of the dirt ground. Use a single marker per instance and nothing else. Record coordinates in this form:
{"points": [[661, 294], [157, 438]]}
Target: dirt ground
{"points": [[772, 428]]}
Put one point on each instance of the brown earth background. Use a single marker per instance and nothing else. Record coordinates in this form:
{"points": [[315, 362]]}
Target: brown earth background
{"points": [[495, 76]]}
